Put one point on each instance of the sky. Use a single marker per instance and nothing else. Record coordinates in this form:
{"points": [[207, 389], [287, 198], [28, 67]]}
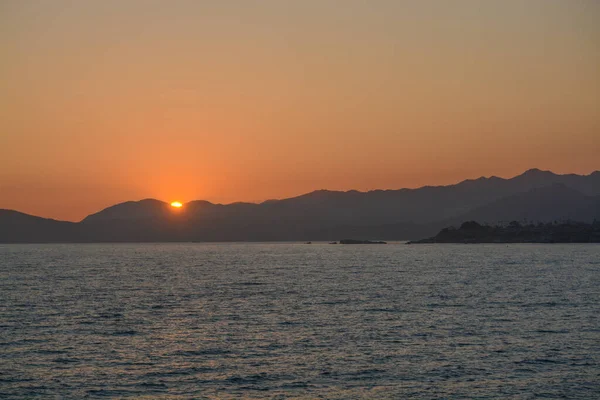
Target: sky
{"points": [[114, 100]]}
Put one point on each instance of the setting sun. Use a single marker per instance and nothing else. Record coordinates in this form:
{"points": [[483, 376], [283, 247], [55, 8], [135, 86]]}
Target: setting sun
{"points": [[176, 204]]}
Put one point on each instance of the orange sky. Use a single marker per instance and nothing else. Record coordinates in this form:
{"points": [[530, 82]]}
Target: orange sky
{"points": [[107, 101]]}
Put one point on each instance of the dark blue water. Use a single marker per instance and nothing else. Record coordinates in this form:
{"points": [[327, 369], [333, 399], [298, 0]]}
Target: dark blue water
{"points": [[299, 321]]}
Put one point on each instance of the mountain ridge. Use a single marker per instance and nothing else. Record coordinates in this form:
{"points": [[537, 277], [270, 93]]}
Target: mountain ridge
{"points": [[325, 214]]}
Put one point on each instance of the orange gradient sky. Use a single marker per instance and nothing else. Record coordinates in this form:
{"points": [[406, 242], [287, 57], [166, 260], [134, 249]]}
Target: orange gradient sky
{"points": [[108, 101]]}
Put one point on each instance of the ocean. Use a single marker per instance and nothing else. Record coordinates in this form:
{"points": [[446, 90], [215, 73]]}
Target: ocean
{"points": [[290, 320]]}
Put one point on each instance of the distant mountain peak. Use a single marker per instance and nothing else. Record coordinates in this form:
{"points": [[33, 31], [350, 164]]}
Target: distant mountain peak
{"points": [[150, 201], [200, 203], [537, 172], [130, 210]]}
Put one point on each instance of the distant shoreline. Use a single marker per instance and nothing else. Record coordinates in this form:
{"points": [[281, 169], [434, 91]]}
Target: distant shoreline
{"points": [[472, 232]]}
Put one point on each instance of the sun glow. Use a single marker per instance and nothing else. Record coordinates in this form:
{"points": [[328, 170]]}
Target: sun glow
{"points": [[176, 204]]}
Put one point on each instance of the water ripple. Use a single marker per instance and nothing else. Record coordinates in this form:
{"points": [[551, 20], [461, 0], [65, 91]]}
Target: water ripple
{"points": [[281, 321]]}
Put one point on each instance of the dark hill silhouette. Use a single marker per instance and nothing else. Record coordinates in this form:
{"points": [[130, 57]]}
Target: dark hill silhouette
{"points": [[515, 232], [555, 202], [131, 210], [331, 215], [17, 227]]}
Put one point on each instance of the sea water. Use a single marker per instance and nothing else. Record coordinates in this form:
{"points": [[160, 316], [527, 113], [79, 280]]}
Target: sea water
{"points": [[283, 320]]}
